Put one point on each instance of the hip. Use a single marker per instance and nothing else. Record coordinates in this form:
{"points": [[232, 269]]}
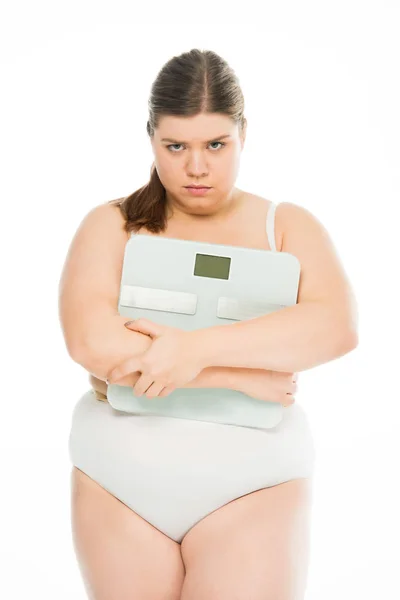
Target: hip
{"points": [[174, 439]]}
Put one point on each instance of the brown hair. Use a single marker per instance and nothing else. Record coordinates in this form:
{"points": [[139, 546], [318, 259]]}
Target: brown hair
{"points": [[198, 81]]}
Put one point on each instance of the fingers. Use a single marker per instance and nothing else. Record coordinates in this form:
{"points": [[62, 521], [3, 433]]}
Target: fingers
{"points": [[130, 365], [142, 385], [167, 390], [145, 385], [288, 400], [154, 390]]}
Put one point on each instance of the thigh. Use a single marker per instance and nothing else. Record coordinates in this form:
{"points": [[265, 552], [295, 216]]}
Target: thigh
{"points": [[256, 546], [121, 556]]}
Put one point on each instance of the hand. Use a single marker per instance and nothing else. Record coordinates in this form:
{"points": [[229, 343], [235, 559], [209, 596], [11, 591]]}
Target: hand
{"points": [[172, 360], [273, 386]]}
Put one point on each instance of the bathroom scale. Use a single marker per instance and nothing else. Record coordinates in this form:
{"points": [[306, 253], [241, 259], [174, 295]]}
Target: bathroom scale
{"points": [[193, 285]]}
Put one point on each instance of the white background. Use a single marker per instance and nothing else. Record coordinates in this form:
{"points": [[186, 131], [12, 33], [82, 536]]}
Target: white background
{"points": [[320, 82]]}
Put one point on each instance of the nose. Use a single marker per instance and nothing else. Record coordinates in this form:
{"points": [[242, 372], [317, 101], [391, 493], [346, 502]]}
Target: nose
{"points": [[196, 166]]}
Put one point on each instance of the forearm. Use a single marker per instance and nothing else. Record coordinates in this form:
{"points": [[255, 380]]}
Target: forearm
{"points": [[108, 346], [211, 377], [217, 377], [293, 339], [112, 344]]}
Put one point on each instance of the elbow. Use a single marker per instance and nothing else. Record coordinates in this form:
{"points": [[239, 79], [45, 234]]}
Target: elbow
{"points": [[348, 341], [347, 323], [77, 352], [344, 328], [89, 360]]}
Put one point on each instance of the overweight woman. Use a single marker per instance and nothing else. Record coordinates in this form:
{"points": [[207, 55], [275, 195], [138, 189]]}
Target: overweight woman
{"points": [[166, 508]]}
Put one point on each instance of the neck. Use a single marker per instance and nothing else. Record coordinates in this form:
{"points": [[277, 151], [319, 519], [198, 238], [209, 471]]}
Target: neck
{"points": [[206, 214]]}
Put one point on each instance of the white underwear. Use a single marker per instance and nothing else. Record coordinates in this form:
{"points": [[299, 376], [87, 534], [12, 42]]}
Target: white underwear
{"points": [[174, 472]]}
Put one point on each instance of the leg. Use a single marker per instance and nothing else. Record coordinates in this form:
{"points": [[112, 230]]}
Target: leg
{"points": [[121, 556], [255, 547]]}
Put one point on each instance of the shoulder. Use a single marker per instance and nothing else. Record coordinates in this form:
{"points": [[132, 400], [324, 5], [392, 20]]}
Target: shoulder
{"points": [[297, 222], [111, 207], [323, 276], [292, 222], [109, 216], [288, 210]]}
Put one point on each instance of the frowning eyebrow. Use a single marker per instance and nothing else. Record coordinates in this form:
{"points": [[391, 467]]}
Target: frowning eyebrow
{"points": [[220, 137]]}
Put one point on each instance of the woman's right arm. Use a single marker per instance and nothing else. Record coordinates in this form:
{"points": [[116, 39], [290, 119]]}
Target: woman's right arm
{"points": [[89, 289], [93, 329]]}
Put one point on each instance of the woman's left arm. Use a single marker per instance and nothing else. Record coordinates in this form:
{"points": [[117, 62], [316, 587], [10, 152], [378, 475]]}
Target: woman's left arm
{"points": [[322, 325]]}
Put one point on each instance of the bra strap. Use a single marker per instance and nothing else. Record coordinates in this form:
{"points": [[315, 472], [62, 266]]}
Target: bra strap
{"points": [[271, 226]]}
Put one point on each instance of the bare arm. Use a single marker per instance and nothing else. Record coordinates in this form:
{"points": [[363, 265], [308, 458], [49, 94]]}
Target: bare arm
{"points": [[108, 348], [322, 325], [292, 339], [113, 344], [89, 289]]}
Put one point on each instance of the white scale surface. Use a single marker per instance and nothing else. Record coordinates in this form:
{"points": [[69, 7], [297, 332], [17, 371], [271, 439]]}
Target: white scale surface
{"points": [[193, 285]]}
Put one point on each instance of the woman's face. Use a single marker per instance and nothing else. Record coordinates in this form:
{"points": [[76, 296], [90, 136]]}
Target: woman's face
{"points": [[194, 150]]}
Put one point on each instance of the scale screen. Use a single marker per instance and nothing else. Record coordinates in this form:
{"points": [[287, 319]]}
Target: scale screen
{"points": [[207, 265]]}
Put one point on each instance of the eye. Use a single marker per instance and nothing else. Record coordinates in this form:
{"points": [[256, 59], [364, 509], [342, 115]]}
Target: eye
{"points": [[171, 146], [222, 144]]}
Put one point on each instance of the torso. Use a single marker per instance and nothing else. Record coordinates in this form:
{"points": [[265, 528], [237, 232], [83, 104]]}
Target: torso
{"points": [[246, 228]]}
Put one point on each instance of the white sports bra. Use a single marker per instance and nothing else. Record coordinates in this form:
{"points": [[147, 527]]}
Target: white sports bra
{"points": [[271, 226]]}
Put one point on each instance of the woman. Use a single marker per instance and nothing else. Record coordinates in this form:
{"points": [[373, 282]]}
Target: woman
{"points": [[166, 524]]}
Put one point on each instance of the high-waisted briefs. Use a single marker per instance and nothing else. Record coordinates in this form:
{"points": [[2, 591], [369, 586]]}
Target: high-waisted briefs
{"points": [[173, 472]]}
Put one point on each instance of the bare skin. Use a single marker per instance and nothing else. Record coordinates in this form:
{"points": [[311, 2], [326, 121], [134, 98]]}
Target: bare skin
{"points": [[262, 537], [237, 230], [256, 546], [121, 556]]}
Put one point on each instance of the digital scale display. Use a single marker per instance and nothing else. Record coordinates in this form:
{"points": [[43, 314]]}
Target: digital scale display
{"points": [[207, 265]]}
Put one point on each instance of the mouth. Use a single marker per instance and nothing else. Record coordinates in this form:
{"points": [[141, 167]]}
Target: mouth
{"points": [[197, 187], [197, 191]]}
